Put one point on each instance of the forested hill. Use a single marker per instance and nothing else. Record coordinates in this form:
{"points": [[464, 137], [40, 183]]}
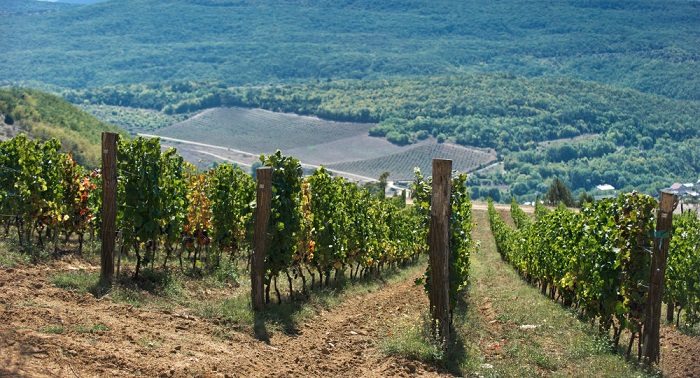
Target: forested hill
{"points": [[649, 45], [45, 116]]}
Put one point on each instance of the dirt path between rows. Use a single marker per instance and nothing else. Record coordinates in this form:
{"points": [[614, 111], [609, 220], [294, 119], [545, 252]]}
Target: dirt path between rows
{"points": [[50, 332]]}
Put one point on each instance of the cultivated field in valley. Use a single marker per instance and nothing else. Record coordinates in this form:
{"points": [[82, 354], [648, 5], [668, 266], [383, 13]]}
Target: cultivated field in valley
{"points": [[464, 160], [260, 131], [240, 135]]}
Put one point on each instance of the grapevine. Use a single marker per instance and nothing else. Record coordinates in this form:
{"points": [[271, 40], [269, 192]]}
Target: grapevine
{"points": [[461, 224], [596, 260]]}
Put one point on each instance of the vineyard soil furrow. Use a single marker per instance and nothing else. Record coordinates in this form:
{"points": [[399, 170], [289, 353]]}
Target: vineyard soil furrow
{"points": [[344, 341], [48, 332]]}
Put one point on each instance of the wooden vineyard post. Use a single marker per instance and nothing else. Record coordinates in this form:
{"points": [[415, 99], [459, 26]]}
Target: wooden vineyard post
{"points": [[262, 217], [109, 206], [662, 238], [440, 211]]}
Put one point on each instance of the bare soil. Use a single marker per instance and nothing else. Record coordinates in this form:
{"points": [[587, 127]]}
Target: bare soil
{"points": [[46, 331], [680, 354]]}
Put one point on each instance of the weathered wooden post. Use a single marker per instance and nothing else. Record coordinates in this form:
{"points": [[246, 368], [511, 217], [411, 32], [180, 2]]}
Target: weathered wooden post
{"points": [[662, 237], [109, 206], [670, 312], [262, 217], [439, 236]]}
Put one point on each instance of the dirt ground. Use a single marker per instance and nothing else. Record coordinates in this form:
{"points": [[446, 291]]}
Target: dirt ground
{"points": [[100, 338], [680, 354], [140, 342]]}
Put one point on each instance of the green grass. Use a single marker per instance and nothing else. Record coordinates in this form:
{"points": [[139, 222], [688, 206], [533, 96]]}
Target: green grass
{"points": [[489, 340], [95, 328], [13, 255], [413, 340], [80, 281], [228, 273], [45, 116], [57, 330], [155, 288], [148, 343], [10, 257]]}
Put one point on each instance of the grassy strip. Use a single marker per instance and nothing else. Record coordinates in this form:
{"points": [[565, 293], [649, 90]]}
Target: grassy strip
{"points": [[506, 328]]}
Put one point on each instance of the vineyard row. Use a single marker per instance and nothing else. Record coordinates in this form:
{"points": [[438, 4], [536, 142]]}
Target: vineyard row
{"points": [[598, 260], [169, 212]]}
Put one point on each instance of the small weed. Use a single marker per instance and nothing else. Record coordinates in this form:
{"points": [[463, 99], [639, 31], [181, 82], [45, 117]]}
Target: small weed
{"points": [[155, 287], [236, 310], [54, 329], [503, 317], [30, 303], [542, 360], [94, 329], [227, 273], [163, 282], [149, 343], [9, 259]]}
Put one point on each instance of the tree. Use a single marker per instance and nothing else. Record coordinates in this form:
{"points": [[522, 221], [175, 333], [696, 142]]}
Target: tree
{"points": [[558, 192], [254, 169], [584, 198], [495, 194], [383, 183]]}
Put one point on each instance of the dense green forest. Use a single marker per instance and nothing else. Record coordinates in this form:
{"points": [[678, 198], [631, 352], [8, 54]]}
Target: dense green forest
{"points": [[584, 133], [47, 116], [649, 45]]}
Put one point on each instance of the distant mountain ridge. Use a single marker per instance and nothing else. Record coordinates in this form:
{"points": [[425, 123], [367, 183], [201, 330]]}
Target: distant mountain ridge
{"points": [[647, 45]]}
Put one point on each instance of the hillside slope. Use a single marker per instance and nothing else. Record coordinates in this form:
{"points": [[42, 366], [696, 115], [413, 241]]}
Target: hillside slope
{"points": [[45, 116], [648, 45]]}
